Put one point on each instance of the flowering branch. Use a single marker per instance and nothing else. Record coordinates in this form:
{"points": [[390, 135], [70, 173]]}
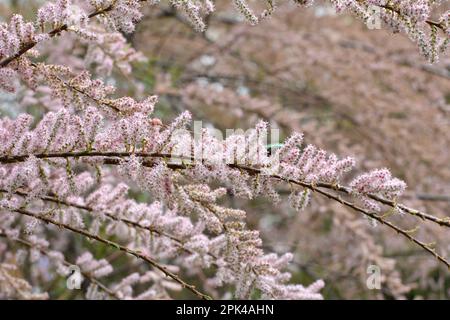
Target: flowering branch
{"points": [[57, 31], [113, 217], [405, 233], [231, 230], [431, 23], [115, 245], [113, 158], [45, 252]]}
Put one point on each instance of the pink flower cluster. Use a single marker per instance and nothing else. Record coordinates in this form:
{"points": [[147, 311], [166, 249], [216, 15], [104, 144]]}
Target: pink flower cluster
{"points": [[81, 91], [98, 268], [311, 165], [14, 35], [58, 14], [377, 182], [124, 13]]}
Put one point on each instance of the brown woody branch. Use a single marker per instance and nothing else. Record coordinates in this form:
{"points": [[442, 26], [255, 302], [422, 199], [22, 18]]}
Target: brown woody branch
{"points": [[131, 223], [114, 158], [55, 32], [44, 251], [115, 245], [431, 23]]}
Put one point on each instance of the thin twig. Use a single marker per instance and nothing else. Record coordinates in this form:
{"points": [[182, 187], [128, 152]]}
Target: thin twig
{"points": [[57, 31], [431, 23], [125, 249], [135, 224], [111, 216], [114, 158], [380, 219], [104, 102], [65, 262]]}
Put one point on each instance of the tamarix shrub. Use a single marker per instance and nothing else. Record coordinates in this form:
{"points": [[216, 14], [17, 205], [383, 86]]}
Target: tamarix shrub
{"points": [[69, 174]]}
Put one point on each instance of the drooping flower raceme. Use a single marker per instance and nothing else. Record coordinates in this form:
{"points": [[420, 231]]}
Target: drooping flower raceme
{"points": [[377, 182]]}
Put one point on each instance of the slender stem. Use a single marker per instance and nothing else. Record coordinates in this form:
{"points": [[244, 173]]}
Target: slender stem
{"points": [[57, 31], [114, 158], [380, 219], [65, 262], [111, 216], [131, 223], [103, 102], [431, 23], [115, 245]]}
